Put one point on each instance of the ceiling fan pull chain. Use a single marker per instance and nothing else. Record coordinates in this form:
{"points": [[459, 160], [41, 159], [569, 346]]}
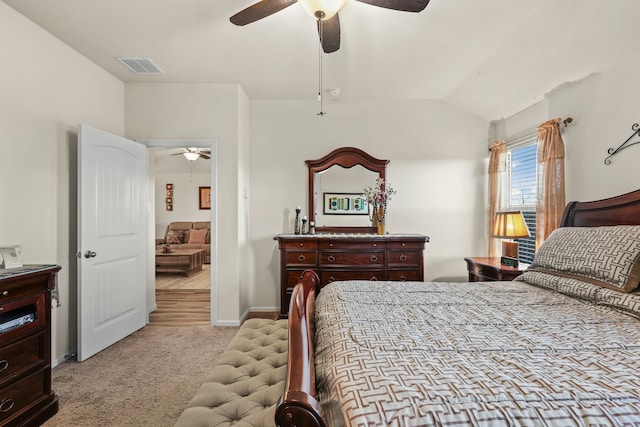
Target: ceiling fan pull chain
{"points": [[320, 98]]}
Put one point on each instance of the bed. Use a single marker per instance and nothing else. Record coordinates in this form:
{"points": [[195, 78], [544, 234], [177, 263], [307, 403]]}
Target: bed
{"points": [[558, 347]]}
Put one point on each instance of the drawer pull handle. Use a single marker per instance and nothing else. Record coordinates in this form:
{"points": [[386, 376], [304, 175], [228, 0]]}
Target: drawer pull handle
{"points": [[5, 293], [331, 258], [3, 365], [403, 278], [301, 244], [330, 245], [331, 279], [403, 257], [373, 258], [374, 244], [403, 244], [6, 405], [374, 279], [300, 258]]}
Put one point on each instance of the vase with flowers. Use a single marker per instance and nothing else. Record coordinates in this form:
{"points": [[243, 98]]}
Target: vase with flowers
{"points": [[378, 196]]}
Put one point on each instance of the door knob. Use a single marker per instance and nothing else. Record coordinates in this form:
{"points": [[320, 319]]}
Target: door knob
{"points": [[89, 254]]}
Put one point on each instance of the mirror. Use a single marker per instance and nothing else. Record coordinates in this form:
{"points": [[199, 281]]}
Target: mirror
{"points": [[339, 178]]}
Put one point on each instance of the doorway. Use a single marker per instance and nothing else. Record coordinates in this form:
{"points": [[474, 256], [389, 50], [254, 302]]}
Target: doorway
{"points": [[182, 298]]}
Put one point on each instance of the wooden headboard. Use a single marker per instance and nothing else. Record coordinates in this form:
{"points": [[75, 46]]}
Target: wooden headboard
{"points": [[298, 405], [618, 210]]}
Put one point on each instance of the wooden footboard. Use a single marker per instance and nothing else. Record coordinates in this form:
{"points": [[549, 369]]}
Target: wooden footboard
{"points": [[298, 405]]}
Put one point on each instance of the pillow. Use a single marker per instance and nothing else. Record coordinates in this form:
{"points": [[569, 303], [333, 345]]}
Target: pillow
{"points": [[607, 256], [198, 236], [175, 237]]}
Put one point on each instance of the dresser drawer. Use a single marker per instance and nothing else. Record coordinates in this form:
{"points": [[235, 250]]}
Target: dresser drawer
{"points": [[404, 258], [327, 277], [22, 394], [406, 245], [21, 356], [300, 258], [354, 259], [354, 245], [405, 276], [299, 244]]}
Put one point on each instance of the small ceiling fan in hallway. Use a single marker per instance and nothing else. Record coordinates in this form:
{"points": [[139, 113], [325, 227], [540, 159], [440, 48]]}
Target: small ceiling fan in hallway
{"points": [[193, 153], [324, 11]]}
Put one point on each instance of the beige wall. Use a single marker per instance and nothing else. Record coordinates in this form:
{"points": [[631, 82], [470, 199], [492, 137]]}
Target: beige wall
{"points": [[604, 109], [437, 155], [209, 112], [46, 90]]}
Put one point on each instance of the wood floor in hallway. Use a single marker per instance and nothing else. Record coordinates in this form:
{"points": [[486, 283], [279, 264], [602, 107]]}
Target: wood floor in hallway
{"points": [[182, 307]]}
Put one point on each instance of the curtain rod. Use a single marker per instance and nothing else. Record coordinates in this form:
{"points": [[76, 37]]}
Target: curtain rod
{"points": [[566, 122]]}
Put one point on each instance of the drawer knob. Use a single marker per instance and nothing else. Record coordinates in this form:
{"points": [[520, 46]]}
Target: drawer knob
{"points": [[6, 405], [331, 258], [373, 258], [5, 293], [374, 244], [301, 244], [403, 278], [403, 257], [374, 279], [3, 365], [331, 279], [403, 244], [300, 258]]}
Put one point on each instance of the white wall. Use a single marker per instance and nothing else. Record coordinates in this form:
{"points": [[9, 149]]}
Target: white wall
{"points": [[46, 90], [603, 108], [209, 112], [437, 159]]}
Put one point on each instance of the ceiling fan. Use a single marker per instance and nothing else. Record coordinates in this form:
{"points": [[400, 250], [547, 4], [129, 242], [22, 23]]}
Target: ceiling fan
{"points": [[324, 11], [193, 153]]}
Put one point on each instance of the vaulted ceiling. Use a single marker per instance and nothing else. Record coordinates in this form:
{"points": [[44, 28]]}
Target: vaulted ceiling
{"points": [[492, 58]]}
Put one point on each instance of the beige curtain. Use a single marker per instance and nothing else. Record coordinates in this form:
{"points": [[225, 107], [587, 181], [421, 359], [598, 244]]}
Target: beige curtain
{"points": [[497, 167], [551, 195]]}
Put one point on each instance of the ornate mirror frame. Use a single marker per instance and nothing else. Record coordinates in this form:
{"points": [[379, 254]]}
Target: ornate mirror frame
{"points": [[346, 157]]}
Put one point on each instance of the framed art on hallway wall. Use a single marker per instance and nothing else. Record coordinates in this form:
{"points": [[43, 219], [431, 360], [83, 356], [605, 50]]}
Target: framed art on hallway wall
{"points": [[204, 198]]}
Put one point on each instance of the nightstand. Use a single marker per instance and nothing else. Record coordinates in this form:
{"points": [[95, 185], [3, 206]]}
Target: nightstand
{"points": [[486, 269]]}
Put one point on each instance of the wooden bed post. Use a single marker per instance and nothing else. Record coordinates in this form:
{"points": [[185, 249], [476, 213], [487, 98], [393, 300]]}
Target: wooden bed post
{"points": [[298, 405]]}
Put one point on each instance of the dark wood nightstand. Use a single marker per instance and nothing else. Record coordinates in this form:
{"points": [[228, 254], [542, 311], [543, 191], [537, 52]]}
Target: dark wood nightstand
{"points": [[485, 269]]}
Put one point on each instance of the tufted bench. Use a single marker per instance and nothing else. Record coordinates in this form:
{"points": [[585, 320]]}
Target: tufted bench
{"points": [[244, 387]]}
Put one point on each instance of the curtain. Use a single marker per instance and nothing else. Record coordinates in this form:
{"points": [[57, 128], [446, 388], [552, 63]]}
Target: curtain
{"points": [[551, 193], [497, 167]]}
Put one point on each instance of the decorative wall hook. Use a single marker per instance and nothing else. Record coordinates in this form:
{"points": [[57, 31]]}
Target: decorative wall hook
{"points": [[612, 152]]}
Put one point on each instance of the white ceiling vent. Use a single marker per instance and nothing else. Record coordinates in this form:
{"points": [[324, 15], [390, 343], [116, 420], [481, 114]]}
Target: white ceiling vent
{"points": [[141, 65]]}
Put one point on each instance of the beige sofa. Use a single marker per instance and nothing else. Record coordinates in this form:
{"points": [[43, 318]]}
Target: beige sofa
{"points": [[178, 234]]}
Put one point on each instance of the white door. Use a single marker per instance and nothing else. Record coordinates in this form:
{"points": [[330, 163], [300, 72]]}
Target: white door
{"points": [[112, 239]]}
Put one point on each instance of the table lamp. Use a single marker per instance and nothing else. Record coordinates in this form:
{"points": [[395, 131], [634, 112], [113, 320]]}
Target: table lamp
{"points": [[510, 225]]}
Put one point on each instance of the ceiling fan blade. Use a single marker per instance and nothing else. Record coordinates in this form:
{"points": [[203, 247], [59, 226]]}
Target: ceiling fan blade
{"points": [[329, 32], [204, 156], [403, 5], [260, 10]]}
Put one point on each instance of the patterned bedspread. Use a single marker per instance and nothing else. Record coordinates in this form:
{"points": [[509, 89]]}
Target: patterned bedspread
{"points": [[481, 354]]}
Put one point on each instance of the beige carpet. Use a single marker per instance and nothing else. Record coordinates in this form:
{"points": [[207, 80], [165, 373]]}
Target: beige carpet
{"points": [[147, 379], [198, 280]]}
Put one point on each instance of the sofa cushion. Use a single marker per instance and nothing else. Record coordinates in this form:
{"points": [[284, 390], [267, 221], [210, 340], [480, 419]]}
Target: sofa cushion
{"points": [[198, 236], [175, 237]]}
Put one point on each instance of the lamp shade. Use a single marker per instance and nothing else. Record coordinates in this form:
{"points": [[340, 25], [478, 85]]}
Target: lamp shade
{"points": [[510, 225], [322, 9]]}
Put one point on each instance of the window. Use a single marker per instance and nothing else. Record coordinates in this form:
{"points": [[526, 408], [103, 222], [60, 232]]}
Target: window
{"points": [[522, 189]]}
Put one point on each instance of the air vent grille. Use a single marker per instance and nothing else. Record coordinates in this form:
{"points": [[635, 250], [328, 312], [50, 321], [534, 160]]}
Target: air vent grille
{"points": [[141, 65]]}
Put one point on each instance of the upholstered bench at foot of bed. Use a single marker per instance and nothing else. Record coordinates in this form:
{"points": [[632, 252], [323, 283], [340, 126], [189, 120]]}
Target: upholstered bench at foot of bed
{"points": [[244, 387]]}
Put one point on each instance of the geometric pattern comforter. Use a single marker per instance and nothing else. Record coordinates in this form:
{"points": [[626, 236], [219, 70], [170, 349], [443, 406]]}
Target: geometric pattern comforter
{"points": [[480, 354]]}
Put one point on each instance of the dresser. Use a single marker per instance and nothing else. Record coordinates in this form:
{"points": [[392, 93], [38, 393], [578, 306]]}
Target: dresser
{"points": [[397, 257], [26, 398]]}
